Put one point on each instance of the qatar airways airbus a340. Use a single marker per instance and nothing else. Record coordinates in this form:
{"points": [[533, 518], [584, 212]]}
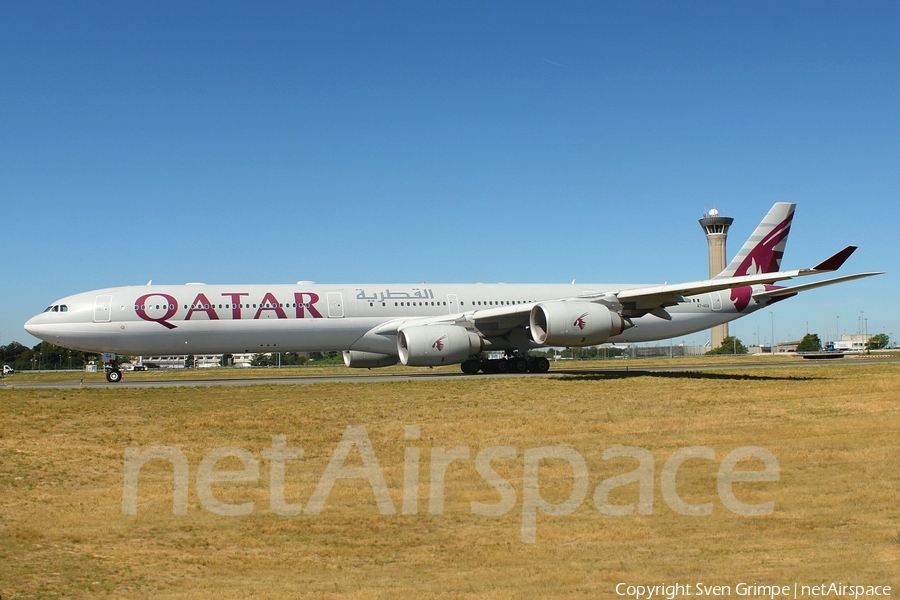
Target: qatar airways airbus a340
{"points": [[377, 325]]}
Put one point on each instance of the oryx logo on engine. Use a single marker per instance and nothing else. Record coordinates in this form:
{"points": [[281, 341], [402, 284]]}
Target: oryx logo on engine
{"points": [[579, 322], [439, 343]]}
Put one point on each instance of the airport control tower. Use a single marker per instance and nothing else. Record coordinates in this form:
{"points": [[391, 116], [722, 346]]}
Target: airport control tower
{"points": [[716, 228]]}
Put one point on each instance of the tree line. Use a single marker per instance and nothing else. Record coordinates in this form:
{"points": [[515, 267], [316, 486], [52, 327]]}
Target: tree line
{"points": [[293, 359], [43, 356], [809, 343], [49, 356]]}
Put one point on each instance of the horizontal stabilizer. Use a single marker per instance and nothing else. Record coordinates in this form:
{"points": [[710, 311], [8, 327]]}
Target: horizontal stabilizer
{"points": [[790, 291]]}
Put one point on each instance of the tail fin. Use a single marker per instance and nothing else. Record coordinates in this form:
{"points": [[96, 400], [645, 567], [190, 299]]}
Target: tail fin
{"points": [[762, 252]]}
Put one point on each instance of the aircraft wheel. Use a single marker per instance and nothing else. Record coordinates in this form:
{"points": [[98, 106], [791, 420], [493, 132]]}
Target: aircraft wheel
{"points": [[114, 376], [502, 365], [518, 365], [541, 365], [470, 367]]}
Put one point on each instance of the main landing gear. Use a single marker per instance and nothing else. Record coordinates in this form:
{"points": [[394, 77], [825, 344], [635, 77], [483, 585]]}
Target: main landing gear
{"points": [[510, 364]]}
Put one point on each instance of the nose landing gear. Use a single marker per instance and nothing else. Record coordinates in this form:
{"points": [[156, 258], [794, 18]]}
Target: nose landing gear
{"points": [[113, 374]]}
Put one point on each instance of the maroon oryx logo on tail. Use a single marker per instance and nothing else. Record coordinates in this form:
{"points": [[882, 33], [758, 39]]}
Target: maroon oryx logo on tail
{"points": [[439, 343], [580, 323], [765, 257]]}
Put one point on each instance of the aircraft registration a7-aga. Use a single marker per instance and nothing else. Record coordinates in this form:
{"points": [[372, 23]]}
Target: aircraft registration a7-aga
{"points": [[377, 325]]}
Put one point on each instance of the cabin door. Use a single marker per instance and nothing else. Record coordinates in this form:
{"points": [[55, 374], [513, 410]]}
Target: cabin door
{"points": [[335, 305], [103, 308]]}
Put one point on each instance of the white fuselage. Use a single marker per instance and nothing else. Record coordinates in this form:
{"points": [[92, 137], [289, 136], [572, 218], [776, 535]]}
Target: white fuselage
{"points": [[215, 319]]}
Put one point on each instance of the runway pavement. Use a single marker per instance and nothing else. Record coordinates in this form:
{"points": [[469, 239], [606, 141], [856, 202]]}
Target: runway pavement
{"points": [[342, 376]]}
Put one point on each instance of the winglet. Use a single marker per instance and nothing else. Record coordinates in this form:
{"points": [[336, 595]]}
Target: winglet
{"points": [[834, 263]]}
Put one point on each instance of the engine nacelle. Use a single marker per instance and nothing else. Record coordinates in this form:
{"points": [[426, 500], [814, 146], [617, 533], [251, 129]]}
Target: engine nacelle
{"points": [[574, 323], [368, 360], [434, 345]]}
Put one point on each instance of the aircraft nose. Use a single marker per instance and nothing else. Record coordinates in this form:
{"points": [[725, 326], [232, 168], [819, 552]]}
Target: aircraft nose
{"points": [[35, 328]]}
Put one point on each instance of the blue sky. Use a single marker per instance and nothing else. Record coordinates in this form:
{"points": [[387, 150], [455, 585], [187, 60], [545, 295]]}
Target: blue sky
{"points": [[443, 142]]}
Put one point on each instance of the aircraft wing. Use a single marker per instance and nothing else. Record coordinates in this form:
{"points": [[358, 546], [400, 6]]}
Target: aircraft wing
{"points": [[638, 301], [633, 302], [651, 298], [495, 319], [790, 291]]}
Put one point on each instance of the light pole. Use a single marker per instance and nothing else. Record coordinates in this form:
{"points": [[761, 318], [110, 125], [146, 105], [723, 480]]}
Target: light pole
{"points": [[772, 314]]}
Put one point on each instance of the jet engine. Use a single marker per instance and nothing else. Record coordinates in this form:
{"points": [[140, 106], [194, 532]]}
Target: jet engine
{"points": [[574, 323], [368, 360], [433, 345]]}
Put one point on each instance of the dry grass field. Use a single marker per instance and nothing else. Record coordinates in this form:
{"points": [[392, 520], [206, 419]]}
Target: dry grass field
{"points": [[833, 429]]}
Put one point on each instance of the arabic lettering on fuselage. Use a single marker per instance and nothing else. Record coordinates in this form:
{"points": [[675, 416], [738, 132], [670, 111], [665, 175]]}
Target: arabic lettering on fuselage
{"points": [[162, 308], [388, 294]]}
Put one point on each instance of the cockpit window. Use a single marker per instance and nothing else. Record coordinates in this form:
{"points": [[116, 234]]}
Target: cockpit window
{"points": [[57, 308], [63, 308]]}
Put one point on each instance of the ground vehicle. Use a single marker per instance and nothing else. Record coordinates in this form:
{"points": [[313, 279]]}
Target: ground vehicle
{"points": [[8, 370]]}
